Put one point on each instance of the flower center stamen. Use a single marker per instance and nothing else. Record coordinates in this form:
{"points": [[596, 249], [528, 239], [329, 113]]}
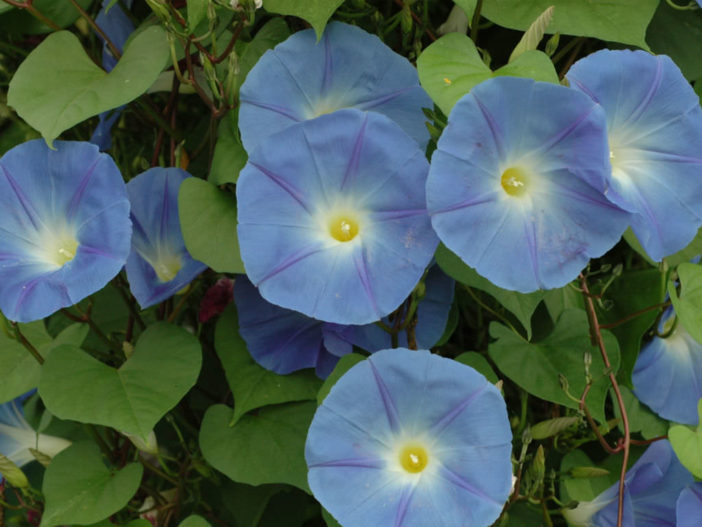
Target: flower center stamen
{"points": [[414, 458], [514, 181], [61, 250], [343, 228]]}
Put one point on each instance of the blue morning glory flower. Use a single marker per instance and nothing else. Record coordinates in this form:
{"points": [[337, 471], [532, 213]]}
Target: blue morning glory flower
{"points": [[159, 265], [64, 226], [348, 68], [668, 373], [332, 217], [283, 341], [515, 185], [652, 487], [689, 506], [17, 437], [654, 122], [411, 439], [117, 26]]}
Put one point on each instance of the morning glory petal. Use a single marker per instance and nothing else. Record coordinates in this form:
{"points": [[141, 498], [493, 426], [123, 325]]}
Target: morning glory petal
{"points": [[516, 184], [668, 374], [655, 129], [689, 506], [348, 68], [117, 26], [410, 439], [65, 226], [159, 265], [310, 212]]}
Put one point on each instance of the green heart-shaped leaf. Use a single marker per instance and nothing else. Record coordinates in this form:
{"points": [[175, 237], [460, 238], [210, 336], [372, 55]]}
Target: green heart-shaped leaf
{"points": [[80, 489], [687, 444], [73, 88], [267, 447], [165, 365]]}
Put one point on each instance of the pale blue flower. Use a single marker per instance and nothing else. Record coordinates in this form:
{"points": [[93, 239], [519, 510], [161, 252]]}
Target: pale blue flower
{"points": [[64, 226], [668, 373], [516, 184], [348, 68], [332, 217], [654, 122], [159, 265], [689, 506], [410, 439]]}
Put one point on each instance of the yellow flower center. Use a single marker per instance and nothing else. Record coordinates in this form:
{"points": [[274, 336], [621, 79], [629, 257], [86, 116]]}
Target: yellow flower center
{"points": [[413, 458], [515, 182], [167, 267], [61, 250], [343, 228]]}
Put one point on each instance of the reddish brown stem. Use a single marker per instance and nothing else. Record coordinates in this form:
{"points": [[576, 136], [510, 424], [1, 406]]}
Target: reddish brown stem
{"points": [[634, 315], [117, 54], [593, 424], [596, 336]]}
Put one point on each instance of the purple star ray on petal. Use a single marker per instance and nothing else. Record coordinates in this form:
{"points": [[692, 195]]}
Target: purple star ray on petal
{"points": [[66, 227], [374, 458], [348, 68], [655, 129], [517, 181], [159, 265]]}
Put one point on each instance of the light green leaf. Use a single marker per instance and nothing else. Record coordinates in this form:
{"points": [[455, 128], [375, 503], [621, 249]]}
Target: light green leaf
{"points": [[450, 67], [73, 88], [20, 370], [694, 248], [582, 480], [345, 364], [536, 367], [316, 12], [252, 385], [266, 447], [532, 37], [5, 7], [622, 21], [468, 6], [197, 11], [552, 427], [687, 444], [688, 306], [229, 155], [479, 363], [165, 365], [203, 208], [520, 305], [194, 521], [12, 473], [79, 488]]}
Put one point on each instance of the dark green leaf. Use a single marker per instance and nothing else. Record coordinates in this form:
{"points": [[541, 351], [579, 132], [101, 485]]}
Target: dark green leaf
{"points": [[345, 364], [641, 419], [73, 88], [194, 521], [478, 362], [252, 385], [80, 489], [197, 11], [229, 155], [537, 367], [576, 487], [688, 306], [678, 34], [21, 22], [203, 208], [265, 447]]}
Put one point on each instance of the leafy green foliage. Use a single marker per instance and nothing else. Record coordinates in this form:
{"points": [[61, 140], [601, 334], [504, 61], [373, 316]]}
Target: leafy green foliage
{"points": [[677, 34], [623, 21], [520, 305], [538, 367], [688, 306], [73, 88], [20, 21], [532, 37], [687, 444], [132, 399], [205, 209], [194, 521], [80, 489], [345, 364], [197, 11], [452, 65], [229, 155], [316, 12], [252, 385], [582, 480], [641, 419], [478, 362], [265, 447]]}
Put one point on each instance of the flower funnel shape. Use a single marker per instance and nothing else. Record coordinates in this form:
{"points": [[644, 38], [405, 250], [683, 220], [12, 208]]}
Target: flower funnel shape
{"points": [[652, 487], [348, 68], [159, 265], [283, 341], [668, 373], [655, 132], [17, 437], [689, 506], [515, 185], [332, 217], [64, 226], [411, 439]]}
